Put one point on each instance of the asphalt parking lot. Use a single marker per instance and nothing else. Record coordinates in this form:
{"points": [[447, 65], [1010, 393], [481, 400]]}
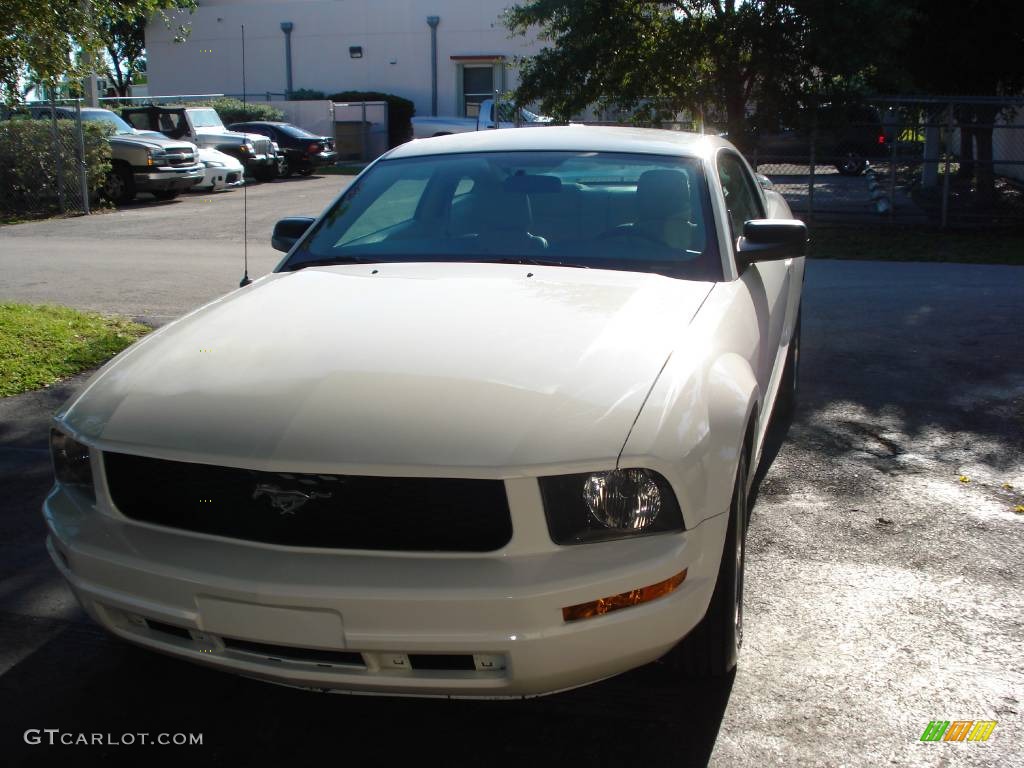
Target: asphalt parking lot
{"points": [[885, 582]]}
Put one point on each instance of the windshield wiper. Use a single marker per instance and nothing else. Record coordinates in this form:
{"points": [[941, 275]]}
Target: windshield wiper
{"points": [[538, 262], [329, 262]]}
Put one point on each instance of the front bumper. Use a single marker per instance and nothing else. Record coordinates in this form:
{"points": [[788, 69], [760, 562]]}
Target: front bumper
{"points": [[257, 161], [398, 623], [161, 179], [221, 177]]}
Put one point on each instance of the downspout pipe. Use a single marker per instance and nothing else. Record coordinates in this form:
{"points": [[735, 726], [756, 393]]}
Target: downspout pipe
{"points": [[433, 21], [286, 27]]}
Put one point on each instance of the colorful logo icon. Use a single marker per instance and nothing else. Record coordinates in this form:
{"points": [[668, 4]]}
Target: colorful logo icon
{"points": [[958, 730]]}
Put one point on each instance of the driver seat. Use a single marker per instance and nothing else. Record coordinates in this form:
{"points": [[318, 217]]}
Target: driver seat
{"points": [[663, 208]]}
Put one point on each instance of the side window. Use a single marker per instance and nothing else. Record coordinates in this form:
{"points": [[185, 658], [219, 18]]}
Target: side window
{"points": [[395, 206], [741, 196]]}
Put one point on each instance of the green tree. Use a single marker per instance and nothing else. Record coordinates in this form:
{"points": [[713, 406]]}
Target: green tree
{"points": [[44, 39], [664, 56], [124, 40]]}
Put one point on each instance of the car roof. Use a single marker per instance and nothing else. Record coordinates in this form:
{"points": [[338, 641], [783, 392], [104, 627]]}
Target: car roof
{"points": [[570, 138]]}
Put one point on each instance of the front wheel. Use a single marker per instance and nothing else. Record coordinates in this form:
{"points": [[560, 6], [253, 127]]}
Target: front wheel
{"points": [[119, 186], [307, 171], [789, 388], [712, 648]]}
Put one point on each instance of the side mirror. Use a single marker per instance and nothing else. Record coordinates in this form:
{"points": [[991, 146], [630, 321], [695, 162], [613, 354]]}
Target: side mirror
{"points": [[771, 240], [288, 231]]}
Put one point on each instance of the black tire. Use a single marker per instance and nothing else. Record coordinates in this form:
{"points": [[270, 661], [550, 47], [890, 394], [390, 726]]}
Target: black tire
{"points": [[307, 171], [264, 172], [789, 387], [167, 194], [850, 161], [119, 186], [285, 170], [712, 648]]}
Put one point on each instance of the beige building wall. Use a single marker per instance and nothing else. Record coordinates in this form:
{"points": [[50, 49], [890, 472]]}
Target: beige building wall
{"points": [[393, 36]]}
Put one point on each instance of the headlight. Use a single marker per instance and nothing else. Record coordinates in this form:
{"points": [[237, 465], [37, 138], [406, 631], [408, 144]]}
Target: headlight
{"points": [[246, 148], [213, 164], [609, 505], [156, 157], [71, 464]]}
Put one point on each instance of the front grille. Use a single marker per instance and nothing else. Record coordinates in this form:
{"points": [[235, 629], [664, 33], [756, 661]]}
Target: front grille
{"points": [[331, 511], [262, 146], [181, 156]]}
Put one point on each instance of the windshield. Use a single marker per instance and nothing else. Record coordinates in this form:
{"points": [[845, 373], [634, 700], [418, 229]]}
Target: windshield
{"points": [[106, 116], [647, 213], [205, 118]]}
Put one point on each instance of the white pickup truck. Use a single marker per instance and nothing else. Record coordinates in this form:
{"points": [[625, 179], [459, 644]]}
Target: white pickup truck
{"points": [[425, 127]]}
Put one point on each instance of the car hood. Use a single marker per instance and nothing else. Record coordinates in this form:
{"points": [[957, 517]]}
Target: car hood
{"points": [[150, 140], [210, 155], [460, 369], [223, 134]]}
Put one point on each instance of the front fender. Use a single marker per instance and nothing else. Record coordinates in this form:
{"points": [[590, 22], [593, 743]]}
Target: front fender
{"points": [[692, 428]]}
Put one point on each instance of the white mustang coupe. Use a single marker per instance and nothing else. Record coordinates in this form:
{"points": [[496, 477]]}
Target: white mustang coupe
{"points": [[487, 430]]}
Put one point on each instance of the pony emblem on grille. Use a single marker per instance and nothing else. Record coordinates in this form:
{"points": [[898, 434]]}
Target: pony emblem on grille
{"points": [[286, 501]]}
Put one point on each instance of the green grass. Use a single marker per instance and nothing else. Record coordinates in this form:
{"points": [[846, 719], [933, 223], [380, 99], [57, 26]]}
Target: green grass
{"points": [[895, 243], [42, 344]]}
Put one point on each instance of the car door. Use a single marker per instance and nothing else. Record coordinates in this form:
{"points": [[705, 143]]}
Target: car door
{"points": [[767, 282]]}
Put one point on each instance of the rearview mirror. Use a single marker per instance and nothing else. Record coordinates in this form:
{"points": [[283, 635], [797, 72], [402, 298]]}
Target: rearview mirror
{"points": [[771, 240], [288, 231]]}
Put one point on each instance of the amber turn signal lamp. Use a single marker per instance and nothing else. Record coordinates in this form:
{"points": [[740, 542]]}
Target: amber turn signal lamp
{"points": [[623, 600]]}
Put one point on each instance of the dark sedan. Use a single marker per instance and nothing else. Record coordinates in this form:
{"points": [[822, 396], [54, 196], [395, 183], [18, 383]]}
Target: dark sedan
{"points": [[303, 151]]}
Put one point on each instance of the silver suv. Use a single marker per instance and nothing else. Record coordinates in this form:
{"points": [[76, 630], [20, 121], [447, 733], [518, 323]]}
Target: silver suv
{"points": [[140, 162]]}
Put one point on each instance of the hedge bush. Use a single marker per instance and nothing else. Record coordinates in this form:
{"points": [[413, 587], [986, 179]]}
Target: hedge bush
{"points": [[306, 94], [400, 112], [28, 164]]}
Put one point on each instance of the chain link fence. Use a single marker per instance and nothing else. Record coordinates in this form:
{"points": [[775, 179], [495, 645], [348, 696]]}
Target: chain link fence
{"points": [[945, 161], [49, 163]]}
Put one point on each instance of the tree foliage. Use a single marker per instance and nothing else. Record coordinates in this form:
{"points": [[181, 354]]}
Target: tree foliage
{"points": [[663, 56], [46, 39]]}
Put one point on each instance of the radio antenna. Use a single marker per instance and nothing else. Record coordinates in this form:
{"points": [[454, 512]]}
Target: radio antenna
{"points": [[245, 193]]}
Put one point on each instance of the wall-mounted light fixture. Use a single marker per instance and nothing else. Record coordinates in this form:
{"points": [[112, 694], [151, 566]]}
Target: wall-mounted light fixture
{"points": [[355, 51]]}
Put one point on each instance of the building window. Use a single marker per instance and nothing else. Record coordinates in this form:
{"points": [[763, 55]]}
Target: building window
{"points": [[478, 78]]}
